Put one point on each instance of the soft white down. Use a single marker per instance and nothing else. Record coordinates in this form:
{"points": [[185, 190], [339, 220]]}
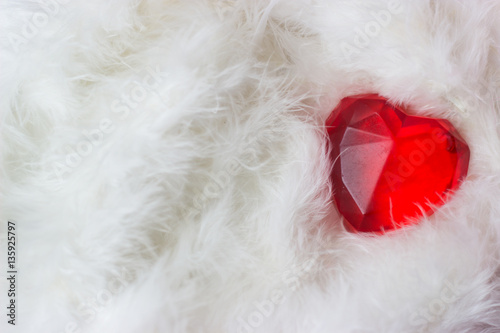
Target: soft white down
{"points": [[166, 167]]}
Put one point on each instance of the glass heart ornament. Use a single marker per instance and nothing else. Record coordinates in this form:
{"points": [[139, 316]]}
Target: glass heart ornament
{"points": [[391, 168]]}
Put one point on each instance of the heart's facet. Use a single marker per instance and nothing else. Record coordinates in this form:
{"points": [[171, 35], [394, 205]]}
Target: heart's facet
{"points": [[389, 167]]}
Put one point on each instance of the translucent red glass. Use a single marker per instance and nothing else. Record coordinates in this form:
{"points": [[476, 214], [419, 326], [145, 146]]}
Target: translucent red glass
{"points": [[390, 168]]}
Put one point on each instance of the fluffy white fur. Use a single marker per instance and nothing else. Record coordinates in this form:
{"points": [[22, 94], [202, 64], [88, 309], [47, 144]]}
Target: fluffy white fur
{"points": [[205, 207]]}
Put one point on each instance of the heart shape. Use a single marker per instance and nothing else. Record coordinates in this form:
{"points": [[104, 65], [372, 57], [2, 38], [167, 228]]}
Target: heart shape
{"points": [[390, 168]]}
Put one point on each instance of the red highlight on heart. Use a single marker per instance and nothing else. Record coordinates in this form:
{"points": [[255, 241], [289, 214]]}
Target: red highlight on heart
{"points": [[390, 168]]}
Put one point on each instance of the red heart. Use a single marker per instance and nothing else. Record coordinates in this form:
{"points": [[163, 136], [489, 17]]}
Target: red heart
{"points": [[389, 168]]}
